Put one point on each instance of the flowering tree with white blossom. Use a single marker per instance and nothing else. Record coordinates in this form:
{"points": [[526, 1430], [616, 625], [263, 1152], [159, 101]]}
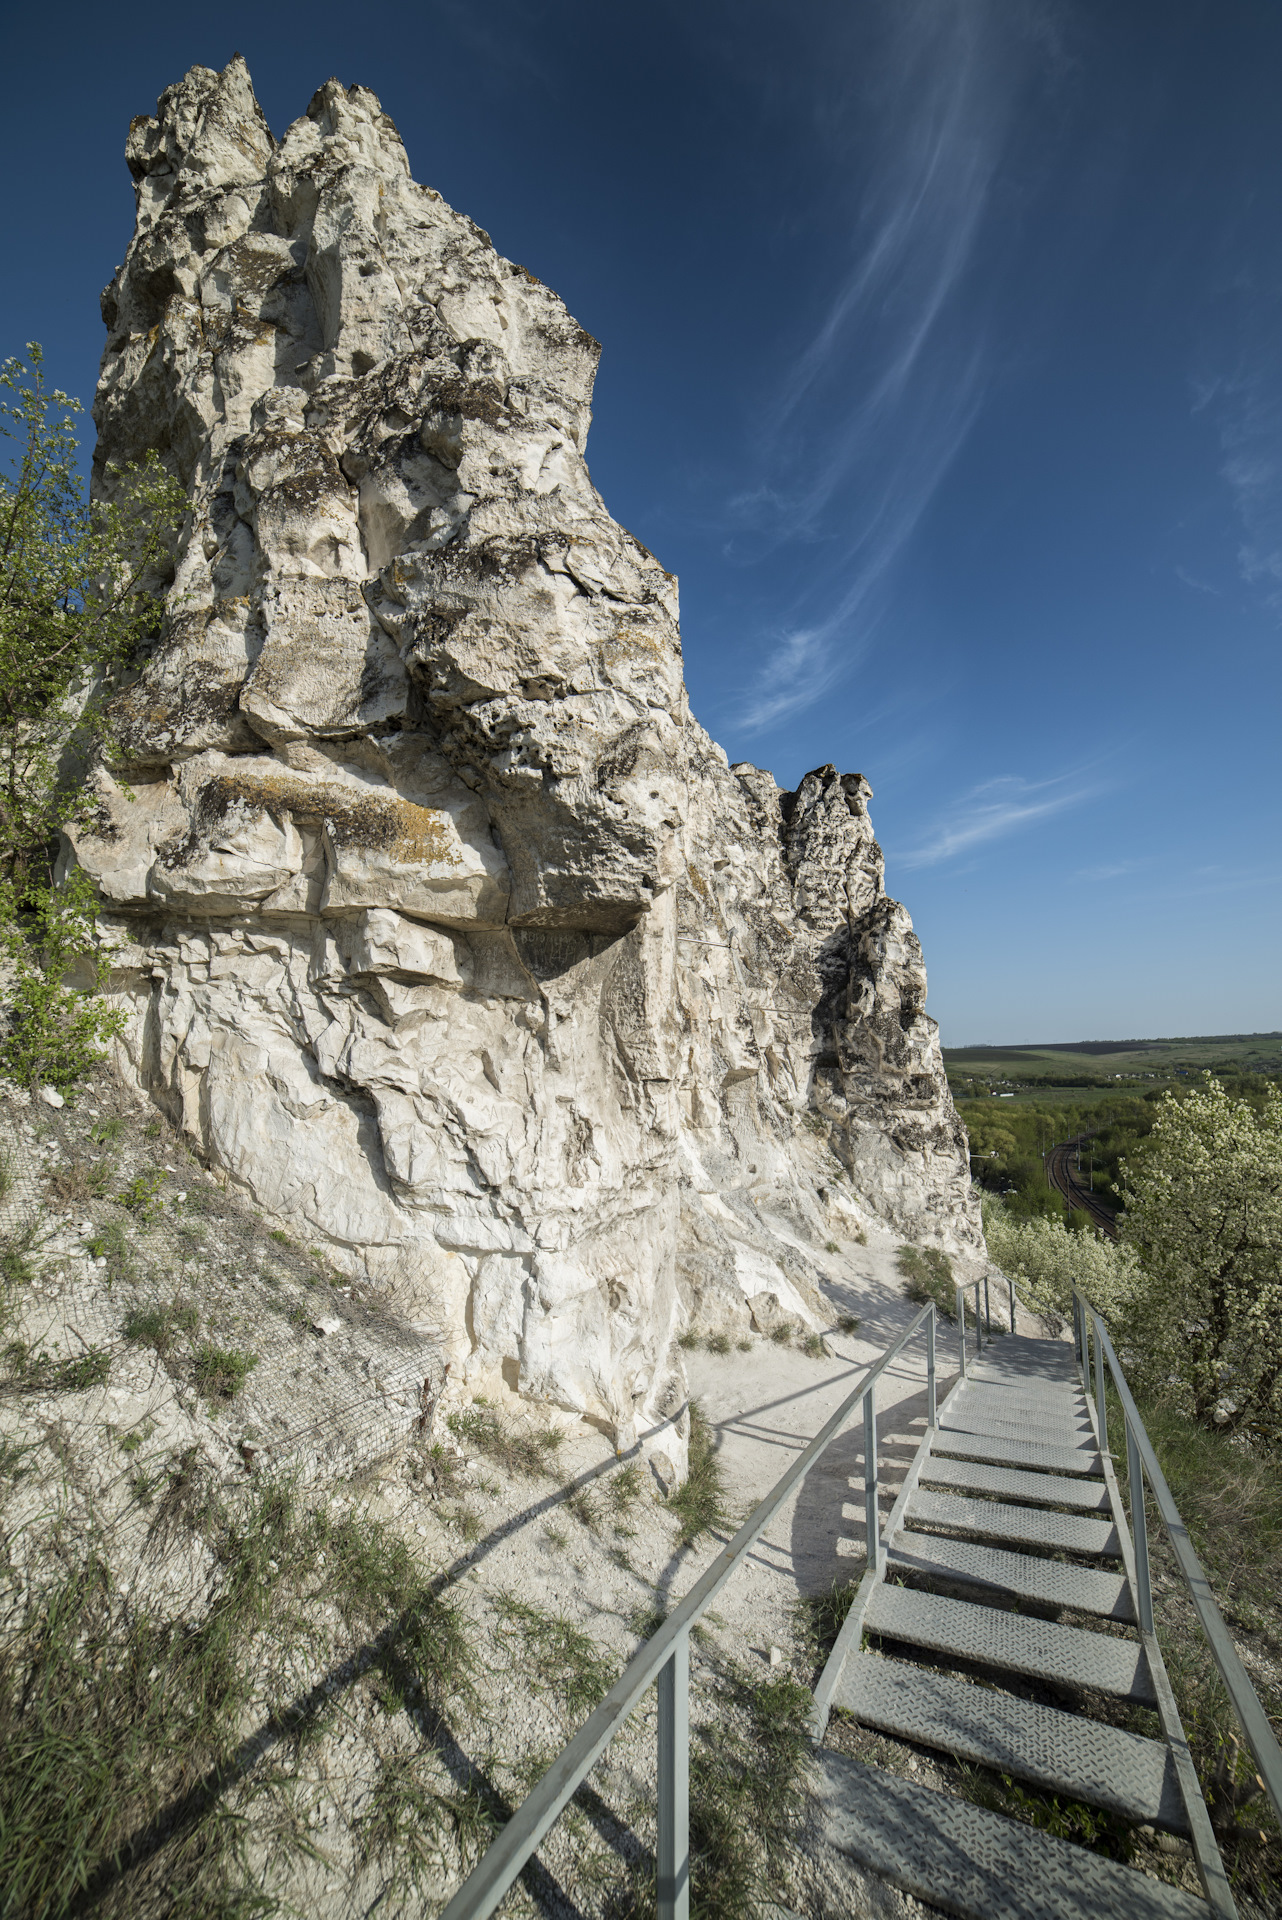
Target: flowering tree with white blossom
{"points": [[1203, 1202]]}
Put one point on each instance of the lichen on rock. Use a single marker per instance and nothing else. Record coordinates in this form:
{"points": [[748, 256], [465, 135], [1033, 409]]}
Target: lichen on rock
{"points": [[444, 929]]}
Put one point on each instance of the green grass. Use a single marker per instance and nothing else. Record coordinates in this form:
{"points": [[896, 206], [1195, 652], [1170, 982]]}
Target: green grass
{"points": [[1230, 1499], [221, 1372], [556, 1658], [748, 1766], [821, 1616], [624, 1488], [700, 1501], [31, 1370], [408, 1822], [1063, 1819], [847, 1323], [718, 1343], [16, 1269], [530, 1451], [108, 1716], [140, 1196], [110, 1243], [159, 1326]]}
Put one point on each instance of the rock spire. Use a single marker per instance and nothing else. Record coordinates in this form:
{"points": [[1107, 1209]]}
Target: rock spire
{"points": [[444, 929]]}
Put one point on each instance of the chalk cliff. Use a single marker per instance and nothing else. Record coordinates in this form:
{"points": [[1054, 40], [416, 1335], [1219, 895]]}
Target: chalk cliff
{"points": [[444, 929]]}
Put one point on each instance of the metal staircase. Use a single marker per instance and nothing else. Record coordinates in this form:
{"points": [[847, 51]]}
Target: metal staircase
{"points": [[1009, 1511]]}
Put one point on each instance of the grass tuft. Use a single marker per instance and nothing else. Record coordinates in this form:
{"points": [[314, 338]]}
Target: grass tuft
{"points": [[556, 1658], [221, 1372], [34, 1371], [159, 1326], [700, 1501], [530, 1451]]}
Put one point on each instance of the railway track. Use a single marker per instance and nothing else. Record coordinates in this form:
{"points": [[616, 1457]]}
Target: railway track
{"points": [[1059, 1172]]}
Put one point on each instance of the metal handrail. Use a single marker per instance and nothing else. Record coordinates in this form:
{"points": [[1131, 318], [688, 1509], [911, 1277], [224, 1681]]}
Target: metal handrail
{"points": [[1143, 1465], [666, 1659]]}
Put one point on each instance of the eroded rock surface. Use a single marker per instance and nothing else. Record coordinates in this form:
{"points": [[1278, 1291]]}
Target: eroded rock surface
{"points": [[445, 930]]}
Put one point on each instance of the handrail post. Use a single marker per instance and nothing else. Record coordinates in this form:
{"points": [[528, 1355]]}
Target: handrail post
{"points": [[961, 1327], [872, 1520], [1101, 1405], [1010, 1287], [979, 1325], [930, 1369], [1139, 1531], [988, 1311], [674, 1783], [1083, 1351]]}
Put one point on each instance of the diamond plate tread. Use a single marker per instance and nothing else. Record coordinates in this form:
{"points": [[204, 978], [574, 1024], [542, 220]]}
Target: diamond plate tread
{"points": [[977, 1864], [1070, 1411], [1024, 1348], [1033, 1379], [1014, 1641], [1008, 1406], [1061, 1752], [1070, 1532], [1055, 1489], [1051, 1581], [964, 1419], [1009, 1451]]}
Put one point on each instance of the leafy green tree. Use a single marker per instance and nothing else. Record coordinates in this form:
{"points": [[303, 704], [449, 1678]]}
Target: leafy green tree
{"points": [[78, 594], [1203, 1200], [79, 582]]}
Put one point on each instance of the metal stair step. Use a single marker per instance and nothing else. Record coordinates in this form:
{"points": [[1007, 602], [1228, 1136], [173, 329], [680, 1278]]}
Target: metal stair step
{"points": [[1070, 1532], [1019, 1352], [1014, 1641], [1060, 1752], [1010, 1451], [1072, 1414], [977, 1864], [1055, 1489], [1034, 1379], [963, 1419], [1053, 1582], [1024, 1413]]}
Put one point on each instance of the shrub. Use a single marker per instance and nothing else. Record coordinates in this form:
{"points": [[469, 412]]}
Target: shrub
{"points": [[78, 584], [1045, 1261]]}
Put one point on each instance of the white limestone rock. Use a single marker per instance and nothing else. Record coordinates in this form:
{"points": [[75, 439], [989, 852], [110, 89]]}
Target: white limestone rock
{"points": [[444, 929]]}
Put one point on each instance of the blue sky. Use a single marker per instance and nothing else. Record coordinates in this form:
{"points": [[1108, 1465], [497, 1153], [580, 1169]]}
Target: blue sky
{"points": [[943, 363]]}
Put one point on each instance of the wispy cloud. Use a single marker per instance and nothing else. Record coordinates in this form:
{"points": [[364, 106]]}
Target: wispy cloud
{"points": [[1247, 407], [1199, 586], [879, 399], [995, 809]]}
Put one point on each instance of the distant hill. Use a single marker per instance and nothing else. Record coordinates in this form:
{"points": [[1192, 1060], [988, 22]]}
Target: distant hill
{"points": [[1096, 1062], [1120, 1046]]}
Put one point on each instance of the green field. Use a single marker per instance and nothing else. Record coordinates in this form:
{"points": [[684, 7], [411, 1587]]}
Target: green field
{"points": [[1056, 1072]]}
